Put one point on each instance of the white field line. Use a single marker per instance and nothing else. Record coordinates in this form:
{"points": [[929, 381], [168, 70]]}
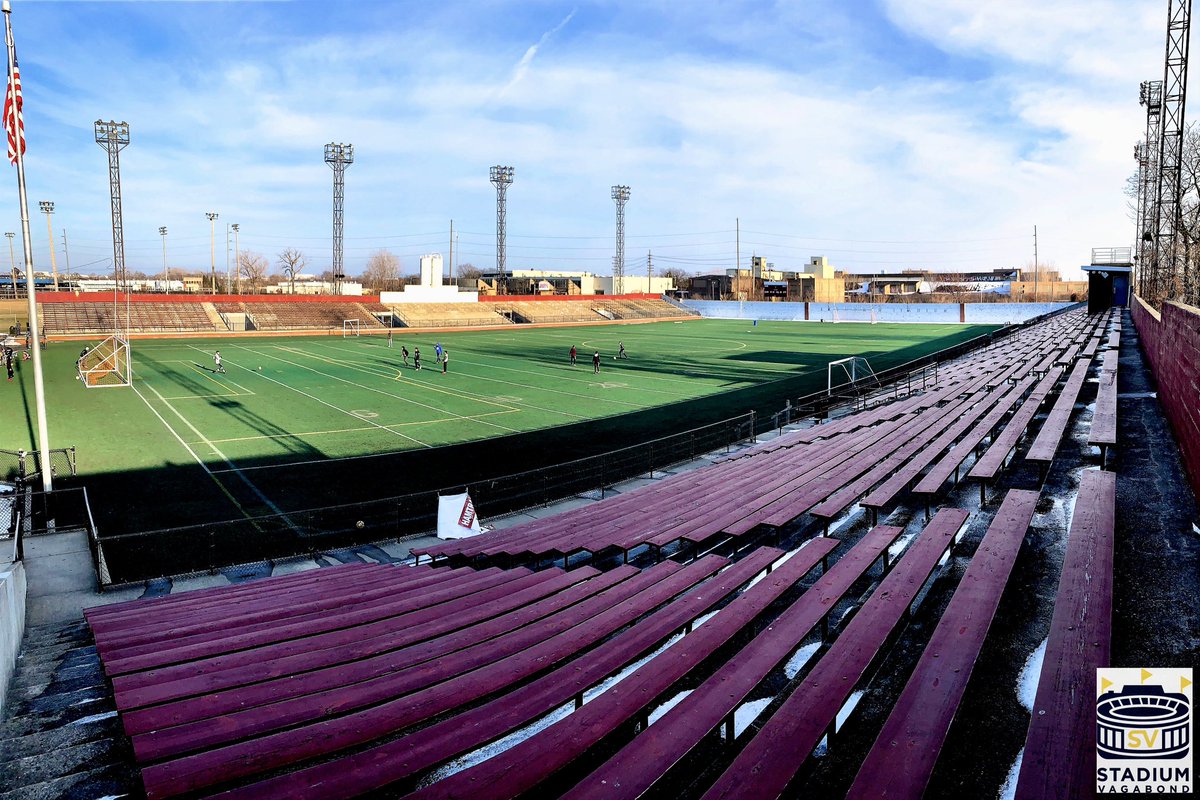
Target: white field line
{"points": [[459, 417], [319, 400], [232, 467], [353, 430]]}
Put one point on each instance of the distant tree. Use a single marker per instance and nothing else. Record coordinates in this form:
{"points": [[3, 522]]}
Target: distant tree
{"points": [[383, 271], [292, 262], [468, 273], [681, 278], [252, 268]]}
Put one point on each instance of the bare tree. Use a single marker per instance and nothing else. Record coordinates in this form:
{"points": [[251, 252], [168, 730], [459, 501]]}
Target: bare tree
{"points": [[468, 273], [679, 277], [292, 262], [252, 267], [383, 271]]}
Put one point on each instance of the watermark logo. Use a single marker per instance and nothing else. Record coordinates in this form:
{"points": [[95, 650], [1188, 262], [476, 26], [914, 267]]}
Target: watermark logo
{"points": [[1143, 731]]}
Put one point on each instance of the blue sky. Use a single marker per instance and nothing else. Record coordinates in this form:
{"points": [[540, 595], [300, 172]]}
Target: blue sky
{"points": [[882, 133]]}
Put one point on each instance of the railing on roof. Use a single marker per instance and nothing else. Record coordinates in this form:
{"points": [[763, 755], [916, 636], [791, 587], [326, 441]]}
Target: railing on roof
{"points": [[1112, 256]]}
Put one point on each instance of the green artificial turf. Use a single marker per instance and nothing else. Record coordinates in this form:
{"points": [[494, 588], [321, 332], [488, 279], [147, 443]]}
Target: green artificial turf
{"points": [[304, 422]]}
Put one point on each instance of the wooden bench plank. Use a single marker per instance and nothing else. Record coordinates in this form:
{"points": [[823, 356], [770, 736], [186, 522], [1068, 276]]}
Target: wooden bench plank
{"points": [[386, 764], [987, 465], [409, 636], [906, 750], [1050, 436], [144, 657], [1055, 764], [329, 734], [643, 761], [771, 758]]}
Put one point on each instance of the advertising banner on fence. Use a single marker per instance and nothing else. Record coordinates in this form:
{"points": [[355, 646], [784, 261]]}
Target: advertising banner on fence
{"points": [[456, 517]]}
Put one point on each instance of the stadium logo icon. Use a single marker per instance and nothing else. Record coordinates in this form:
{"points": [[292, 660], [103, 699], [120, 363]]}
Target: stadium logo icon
{"points": [[1143, 730]]}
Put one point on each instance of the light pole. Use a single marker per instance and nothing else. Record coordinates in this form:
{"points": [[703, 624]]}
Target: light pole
{"points": [[47, 207], [212, 221], [12, 260], [237, 264], [162, 231]]}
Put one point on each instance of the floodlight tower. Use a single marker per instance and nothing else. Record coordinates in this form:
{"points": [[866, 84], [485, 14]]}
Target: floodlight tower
{"points": [[1174, 279], [1150, 96], [212, 247], [621, 195], [338, 157], [162, 231], [114, 137], [502, 178], [47, 207]]}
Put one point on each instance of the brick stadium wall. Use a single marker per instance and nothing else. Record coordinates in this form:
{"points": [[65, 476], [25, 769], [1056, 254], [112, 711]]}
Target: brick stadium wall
{"points": [[1171, 340]]}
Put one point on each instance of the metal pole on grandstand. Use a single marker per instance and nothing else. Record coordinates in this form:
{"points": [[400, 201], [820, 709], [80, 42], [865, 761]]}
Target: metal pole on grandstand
{"points": [[39, 390], [621, 195], [228, 274], [162, 231], [501, 177], [12, 262], [47, 207], [338, 157]]}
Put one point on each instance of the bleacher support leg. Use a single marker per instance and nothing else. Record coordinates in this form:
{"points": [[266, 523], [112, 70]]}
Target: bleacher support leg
{"points": [[579, 701], [729, 729], [982, 492]]}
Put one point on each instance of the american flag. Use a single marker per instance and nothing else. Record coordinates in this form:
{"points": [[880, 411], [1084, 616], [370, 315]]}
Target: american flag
{"points": [[14, 122]]}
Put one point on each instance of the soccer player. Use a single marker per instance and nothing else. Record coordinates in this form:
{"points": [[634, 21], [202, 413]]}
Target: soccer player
{"points": [[596, 362], [573, 355], [417, 359], [404, 355], [621, 350], [217, 361], [445, 361], [437, 352], [389, 335]]}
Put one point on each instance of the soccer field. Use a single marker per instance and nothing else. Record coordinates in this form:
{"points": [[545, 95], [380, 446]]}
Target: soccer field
{"points": [[302, 422]]}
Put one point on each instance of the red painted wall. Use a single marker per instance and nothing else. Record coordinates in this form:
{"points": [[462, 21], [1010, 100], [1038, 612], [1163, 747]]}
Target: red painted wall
{"points": [[1171, 341], [107, 297]]}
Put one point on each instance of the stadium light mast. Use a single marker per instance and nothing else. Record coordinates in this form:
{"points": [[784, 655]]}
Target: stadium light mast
{"points": [[162, 231], [212, 239], [237, 261], [12, 260], [338, 157], [621, 195], [47, 207], [1174, 279], [114, 137], [502, 178]]}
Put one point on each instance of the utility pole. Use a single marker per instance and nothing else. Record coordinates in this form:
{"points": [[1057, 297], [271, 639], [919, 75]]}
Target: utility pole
{"points": [[338, 157], [737, 230], [501, 177], [212, 222], [237, 259], [47, 207], [649, 269], [452, 250], [166, 277], [1035, 265], [228, 274]]}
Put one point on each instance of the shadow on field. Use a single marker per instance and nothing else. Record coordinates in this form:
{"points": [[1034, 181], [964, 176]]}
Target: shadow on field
{"points": [[173, 495]]}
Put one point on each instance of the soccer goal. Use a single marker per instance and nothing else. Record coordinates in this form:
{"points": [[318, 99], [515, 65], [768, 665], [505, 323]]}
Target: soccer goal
{"points": [[856, 370], [106, 365], [349, 328]]}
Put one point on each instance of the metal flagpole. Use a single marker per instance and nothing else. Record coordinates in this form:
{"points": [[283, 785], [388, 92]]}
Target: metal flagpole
{"points": [[39, 391]]}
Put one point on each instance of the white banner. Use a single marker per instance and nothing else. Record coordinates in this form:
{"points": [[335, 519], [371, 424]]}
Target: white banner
{"points": [[456, 517]]}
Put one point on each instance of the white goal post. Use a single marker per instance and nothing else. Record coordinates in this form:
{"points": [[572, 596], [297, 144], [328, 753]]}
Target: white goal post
{"points": [[106, 365], [856, 368], [349, 328]]}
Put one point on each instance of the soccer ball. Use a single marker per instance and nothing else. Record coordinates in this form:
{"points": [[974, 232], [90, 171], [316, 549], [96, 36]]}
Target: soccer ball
{"points": [[260, 369], [360, 524], [614, 358]]}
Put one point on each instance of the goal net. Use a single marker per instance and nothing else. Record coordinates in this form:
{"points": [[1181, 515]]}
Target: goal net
{"points": [[349, 328], [857, 373], [107, 364]]}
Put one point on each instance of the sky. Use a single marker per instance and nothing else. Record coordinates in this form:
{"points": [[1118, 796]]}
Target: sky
{"points": [[883, 134]]}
